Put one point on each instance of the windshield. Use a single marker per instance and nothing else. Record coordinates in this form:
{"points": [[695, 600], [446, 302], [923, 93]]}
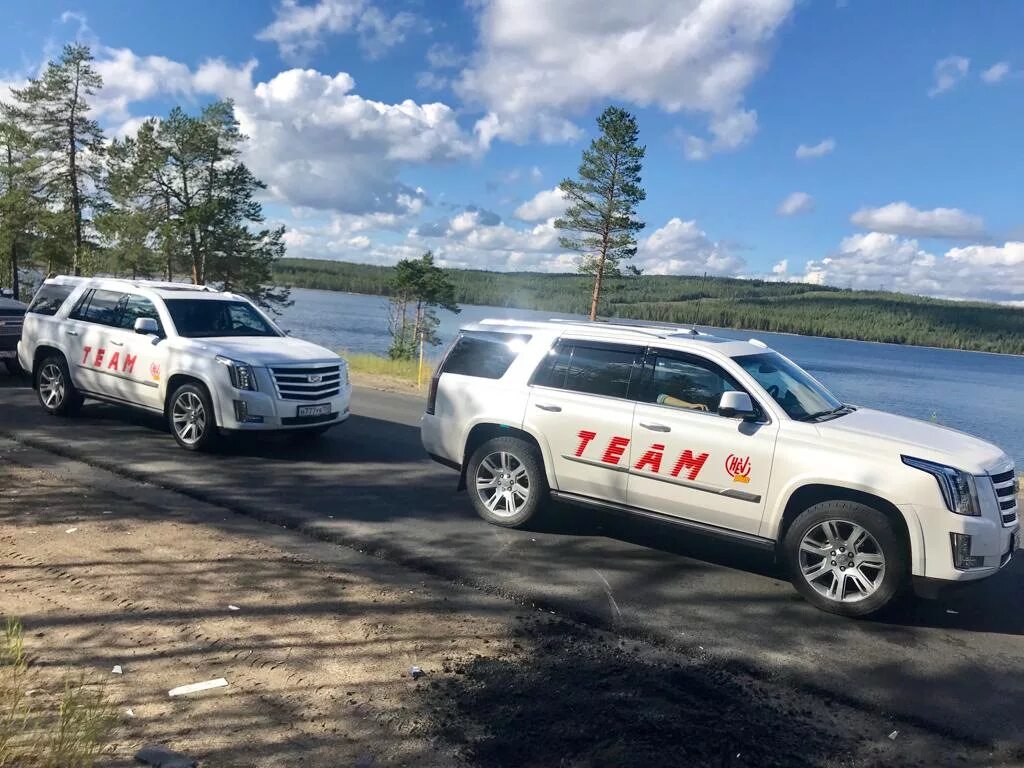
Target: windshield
{"points": [[789, 385], [197, 318]]}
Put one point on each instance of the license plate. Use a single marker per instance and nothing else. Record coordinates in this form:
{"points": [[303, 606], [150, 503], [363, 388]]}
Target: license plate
{"points": [[314, 410]]}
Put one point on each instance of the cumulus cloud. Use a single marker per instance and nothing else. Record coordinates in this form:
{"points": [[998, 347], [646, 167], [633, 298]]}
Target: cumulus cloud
{"points": [[947, 73], [682, 248], [903, 219], [877, 260], [728, 132], [299, 29], [540, 62], [795, 204], [810, 151], [546, 204], [996, 73]]}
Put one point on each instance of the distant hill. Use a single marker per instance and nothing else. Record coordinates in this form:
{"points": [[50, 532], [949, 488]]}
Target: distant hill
{"points": [[723, 302]]}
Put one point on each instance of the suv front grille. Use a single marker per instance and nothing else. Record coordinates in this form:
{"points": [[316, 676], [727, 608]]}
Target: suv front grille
{"points": [[307, 382], [10, 325], [1006, 487]]}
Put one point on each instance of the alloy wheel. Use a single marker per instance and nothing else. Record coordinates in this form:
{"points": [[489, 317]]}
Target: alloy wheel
{"points": [[189, 417], [52, 387], [842, 561], [503, 484]]}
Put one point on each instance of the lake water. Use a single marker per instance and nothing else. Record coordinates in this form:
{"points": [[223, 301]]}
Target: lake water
{"points": [[972, 391]]}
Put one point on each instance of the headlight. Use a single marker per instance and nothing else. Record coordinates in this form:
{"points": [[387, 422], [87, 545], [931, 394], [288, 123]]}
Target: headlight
{"points": [[958, 488], [241, 373]]}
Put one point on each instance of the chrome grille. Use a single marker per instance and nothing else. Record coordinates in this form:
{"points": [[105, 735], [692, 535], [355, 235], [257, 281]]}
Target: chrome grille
{"points": [[307, 382], [1006, 486], [10, 325]]}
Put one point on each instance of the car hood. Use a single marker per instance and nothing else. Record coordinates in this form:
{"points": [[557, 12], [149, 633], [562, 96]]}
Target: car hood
{"points": [[267, 350], [917, 438]]}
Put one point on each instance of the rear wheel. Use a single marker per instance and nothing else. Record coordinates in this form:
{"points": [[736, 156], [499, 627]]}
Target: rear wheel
{"points": [[190, 416], [56, 391], [845, 557], [506, 479]]}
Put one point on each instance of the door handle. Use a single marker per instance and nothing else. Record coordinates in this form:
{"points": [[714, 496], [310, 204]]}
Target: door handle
{"points": [[116, 343], [551, 408], [71, 333], [655, 427]]}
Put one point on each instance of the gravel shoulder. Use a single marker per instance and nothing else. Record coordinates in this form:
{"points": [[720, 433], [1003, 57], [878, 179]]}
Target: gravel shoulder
{"points": [[104, 571]]}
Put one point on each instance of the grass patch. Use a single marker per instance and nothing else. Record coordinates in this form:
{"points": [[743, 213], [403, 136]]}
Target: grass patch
{"points": [[376, 370], [41, 727]]}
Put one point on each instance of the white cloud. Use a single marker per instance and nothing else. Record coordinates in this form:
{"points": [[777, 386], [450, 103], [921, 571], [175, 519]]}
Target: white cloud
{"points": [[682, 248], [948, 72], [128, 77], [542, 61], [795, 204], [996, 73], [728, 132], [535, 175], [444, 56], [903, 219], [299, 30], [781, 268], [431, 81], [546, 204], [822, 148], [877, 260]]}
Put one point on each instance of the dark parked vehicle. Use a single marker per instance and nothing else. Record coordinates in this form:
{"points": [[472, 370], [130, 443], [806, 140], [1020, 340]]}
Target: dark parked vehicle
{"points": [[12, 315]]}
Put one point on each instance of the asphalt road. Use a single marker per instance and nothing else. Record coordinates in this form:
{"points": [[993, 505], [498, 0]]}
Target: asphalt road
{"points": [[955, 665]]}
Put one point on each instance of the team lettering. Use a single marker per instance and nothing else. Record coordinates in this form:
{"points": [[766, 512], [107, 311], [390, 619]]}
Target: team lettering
{"points": [[651, 459], [116, 362]]}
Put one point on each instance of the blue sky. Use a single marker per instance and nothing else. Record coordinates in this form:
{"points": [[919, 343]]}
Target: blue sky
{"points": [[863, 143]]}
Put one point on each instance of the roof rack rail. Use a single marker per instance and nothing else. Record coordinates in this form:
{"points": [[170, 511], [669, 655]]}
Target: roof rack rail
{"points": [[636, 325]]}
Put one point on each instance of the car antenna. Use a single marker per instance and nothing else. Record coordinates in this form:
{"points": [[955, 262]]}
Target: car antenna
{"points": [[700, 296]]}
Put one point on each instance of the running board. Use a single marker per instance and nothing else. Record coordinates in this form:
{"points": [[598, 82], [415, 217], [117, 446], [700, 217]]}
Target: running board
{"points": [[690, 525]]}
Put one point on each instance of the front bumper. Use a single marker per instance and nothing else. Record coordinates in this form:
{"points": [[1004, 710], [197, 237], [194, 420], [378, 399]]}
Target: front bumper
{"points": [[991, 541], [265, 412]]}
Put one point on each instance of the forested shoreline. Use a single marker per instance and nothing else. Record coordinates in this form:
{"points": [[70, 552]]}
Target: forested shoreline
{"points": [[722, 302]]}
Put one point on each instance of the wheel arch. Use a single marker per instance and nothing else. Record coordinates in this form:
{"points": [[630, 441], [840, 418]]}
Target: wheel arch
{"points": [[42, 351], [178, 379], [808, 495], [482, 432]]}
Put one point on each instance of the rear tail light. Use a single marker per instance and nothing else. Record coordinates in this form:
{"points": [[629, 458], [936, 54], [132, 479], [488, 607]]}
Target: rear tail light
{"points": [[436, 378]]}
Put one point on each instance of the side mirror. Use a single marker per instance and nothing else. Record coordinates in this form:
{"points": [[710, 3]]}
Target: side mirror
{"points": [[147, 326], [735, 404]]}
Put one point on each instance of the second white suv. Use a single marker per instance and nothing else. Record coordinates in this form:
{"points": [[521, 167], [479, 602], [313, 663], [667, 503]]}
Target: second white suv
{"points": [[210, 362], [722, 437]]}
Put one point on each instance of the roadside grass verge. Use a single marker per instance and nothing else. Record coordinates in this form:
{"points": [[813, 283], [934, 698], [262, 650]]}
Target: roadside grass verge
{"points": [[43, 727], [384, 373]]}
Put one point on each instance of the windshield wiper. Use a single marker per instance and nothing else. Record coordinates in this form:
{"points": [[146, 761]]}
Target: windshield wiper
{"points": [[832, 413]]}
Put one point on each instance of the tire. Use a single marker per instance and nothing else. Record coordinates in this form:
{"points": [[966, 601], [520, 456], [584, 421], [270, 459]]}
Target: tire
{"points": [[191, 419], [506, 481], [859, 556], [57, 393]]}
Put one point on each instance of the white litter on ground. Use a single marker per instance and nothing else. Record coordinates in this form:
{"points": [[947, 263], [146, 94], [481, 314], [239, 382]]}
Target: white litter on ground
{"points": [[129, 712], [183, 690], [116, 670], [70, 530], [893, 735], [234, 608]]}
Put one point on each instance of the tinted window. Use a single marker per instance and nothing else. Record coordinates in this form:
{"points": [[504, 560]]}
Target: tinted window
{"points": [[197, 318], [99, 306], [688, 383], [484, 354], [595, 370], [49, 298], [133, 307]]}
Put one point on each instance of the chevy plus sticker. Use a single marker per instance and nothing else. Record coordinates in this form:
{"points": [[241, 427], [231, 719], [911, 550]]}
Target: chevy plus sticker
{"points": [[738, 468]]}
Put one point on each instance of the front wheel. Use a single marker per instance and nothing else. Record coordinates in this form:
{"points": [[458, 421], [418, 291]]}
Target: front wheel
{"points": [[190, 416], [845, 557], [57, 393], [506, 479]]}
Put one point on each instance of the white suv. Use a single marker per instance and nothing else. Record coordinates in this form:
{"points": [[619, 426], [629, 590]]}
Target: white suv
{"points": [[723, 437], [210, 362]]}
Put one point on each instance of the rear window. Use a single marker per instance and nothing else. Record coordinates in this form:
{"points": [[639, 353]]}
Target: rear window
{"points": [[484, 354], [49, 298], [603, 370]]}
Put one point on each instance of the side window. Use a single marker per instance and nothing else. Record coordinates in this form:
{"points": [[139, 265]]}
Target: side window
{"points": [[593, 369], [690, 383], [133, 307], [102, 307], [485, 354], [49, 299], [244, 319]]}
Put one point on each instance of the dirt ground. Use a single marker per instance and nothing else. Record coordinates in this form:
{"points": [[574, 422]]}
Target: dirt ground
{"points": [[317, 642]]}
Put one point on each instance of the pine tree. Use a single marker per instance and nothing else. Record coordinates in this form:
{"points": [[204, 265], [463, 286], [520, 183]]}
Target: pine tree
{"points": [[603, 201], [19, 201], [419, 287], [54, 111]]}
